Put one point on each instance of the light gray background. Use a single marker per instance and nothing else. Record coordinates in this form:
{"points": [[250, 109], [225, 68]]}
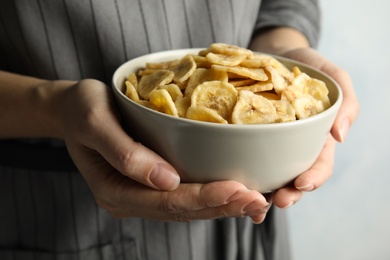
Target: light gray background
{"points": [[349, 217]]}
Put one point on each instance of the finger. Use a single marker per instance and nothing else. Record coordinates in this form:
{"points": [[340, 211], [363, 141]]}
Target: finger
{"points": [[133, 159], [235, 208], [321, 170], [258, 215], [188, 201], [191, 197], [248, 205], [287, 196], [92, 124]]}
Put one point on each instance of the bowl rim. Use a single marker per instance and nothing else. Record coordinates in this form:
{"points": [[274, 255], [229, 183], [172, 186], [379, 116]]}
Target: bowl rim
{"points": [[335, 106]]}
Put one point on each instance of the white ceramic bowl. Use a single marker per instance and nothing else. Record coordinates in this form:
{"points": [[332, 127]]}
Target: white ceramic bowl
{"points": [[263, 157]]}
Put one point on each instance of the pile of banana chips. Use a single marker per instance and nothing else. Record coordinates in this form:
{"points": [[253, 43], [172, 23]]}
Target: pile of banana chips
{"points": [[228, 84]]}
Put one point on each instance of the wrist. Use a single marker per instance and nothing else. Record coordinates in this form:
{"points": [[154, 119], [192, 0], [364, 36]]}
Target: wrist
{"points": [[49, 99]]}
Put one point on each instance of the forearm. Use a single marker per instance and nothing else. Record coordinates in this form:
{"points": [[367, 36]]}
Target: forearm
{"points": [[28, 106], [279, 40]]}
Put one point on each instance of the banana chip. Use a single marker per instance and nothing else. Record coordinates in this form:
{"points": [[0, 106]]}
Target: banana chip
{"points": [[184, 69], [146, 103], [269, 95], [225, 60], [252, 73], [253, 109], [319, 91], [284, 111], [282, 70], [152, 81], [279, 83], [162, 101], [257, 61], [228, 84], [259, 86], [173, 90], [228, 49], [216, 95], [162, 65], [314, 87], [205, 114], [131, 92], [182, 105], [202, 75], [238, 82], [307, 106], [201, 62], [133, 79]]}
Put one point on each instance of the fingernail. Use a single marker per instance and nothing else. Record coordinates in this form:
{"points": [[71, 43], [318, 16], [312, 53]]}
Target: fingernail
{"points": [[308, 187], [258, 219], [344, 128], [164, 177], [289, 204]]}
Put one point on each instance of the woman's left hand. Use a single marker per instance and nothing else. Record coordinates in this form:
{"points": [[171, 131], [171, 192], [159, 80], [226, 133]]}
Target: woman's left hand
{"points": [[322, 169]]}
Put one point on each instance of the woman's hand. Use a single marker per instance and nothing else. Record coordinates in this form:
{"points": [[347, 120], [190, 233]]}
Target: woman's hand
{"points": [[129, 180], [322, 169], [292, 44]]}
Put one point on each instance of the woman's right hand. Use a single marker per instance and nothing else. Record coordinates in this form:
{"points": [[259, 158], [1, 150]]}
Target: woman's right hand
{"points": [[129, 180]]}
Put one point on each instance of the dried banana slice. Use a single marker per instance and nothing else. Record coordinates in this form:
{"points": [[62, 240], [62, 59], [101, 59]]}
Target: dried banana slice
{"points": [[284, 111], [314, 87], [133, 79], [205, 114], [146, 103], [201, 62], [201, 75], [131, 92], [162, 101], [162, 65], [152, 81], [279, 83], [269, 95], [306, 106], [239, 82], [144, 72], [173, 90], [225, 60], [259, 86], [257, 61], [283, 70], [253, 73], [319, 91], [228, 49], [216, 95], [184, 69], [296, 71], [253, 109], [182, 105]]}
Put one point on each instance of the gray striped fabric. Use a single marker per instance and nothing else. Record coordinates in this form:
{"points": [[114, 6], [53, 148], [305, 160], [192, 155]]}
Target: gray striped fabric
{"points": [[67, 39], [52, 214]]}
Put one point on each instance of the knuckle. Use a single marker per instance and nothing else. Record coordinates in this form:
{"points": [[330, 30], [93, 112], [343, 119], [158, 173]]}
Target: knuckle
{"points": [[129, 157], [170, 203]]}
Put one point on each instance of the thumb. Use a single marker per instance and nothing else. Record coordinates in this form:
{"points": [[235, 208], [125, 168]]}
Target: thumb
{"points": [[136, 161]]}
